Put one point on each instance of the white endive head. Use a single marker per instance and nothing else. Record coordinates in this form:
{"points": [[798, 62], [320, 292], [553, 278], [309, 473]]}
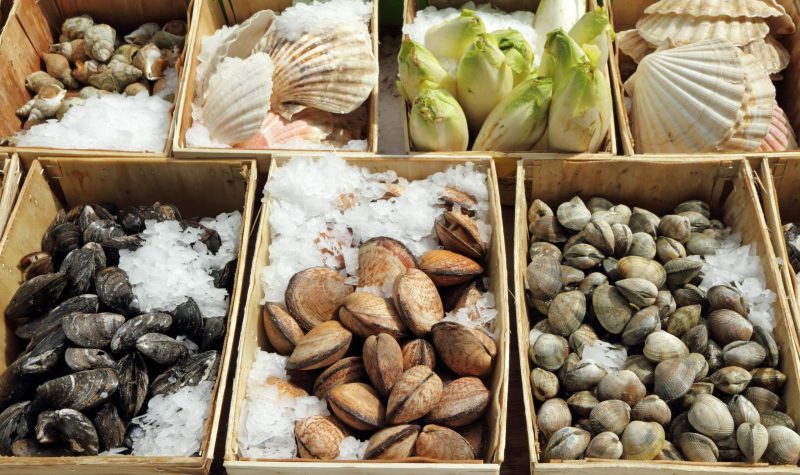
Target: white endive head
{"points": [[483, 79], [416, 65], [437, 123], [451, 38], [554, 14], [580, 114]]}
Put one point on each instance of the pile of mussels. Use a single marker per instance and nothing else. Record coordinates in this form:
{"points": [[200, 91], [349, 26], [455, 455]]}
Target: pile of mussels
{"points": [[392, 369], [93, 358], [700, 382]]}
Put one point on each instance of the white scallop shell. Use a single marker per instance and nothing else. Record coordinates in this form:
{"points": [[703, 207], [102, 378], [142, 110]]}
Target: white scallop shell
{"points": [[237, 98], [686, 99], [335, 71], [770, 53], [756, 109], [781, 136], [633, 45], [685, 29], [769, 10], [276, 131]]}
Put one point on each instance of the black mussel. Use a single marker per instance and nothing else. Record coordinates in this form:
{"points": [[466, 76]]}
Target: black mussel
{"points": [[91, 330], [77, 432], [213, 330], [14, 385], [133, 383], [189, 372], [16, 422], [80, 359], [74, 214], [47, 428], [66, 238], [187, 320], [35, 297], [114, 289], [81, 390], [127, 334], [102, 229], [209, 237], [87, 217], [114, 245], [133, 218], [45, 355], [37, 328], [81, 265], [161, 348], [36, 264], [48, 238], [223, 278], [110, 428], [32, 448]]}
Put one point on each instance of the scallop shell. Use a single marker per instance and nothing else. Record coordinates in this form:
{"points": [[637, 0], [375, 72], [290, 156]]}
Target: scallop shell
{"points": [[276, 131], [334, 72], [684, 29], [770, 11], [756, 108], [781, 134], [772, 55], [687, 99], [631, 43], [237, 98]]}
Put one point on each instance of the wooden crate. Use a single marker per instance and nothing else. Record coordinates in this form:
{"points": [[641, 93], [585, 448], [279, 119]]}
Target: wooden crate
{"points": [[411, 8], [727, 185], [778, 182], [33, 25], [253, 339], [626, 13], [57, 183], [9, 188], [210, 16]]}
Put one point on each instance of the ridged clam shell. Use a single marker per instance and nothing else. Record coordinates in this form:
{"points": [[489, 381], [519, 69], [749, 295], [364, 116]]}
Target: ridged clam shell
{"points": [[346, 370], [784, 446], [610, 416], [276, 131], [314, 296], [322, 346], [463, 401], [441, 443], [383, 362], [237, 98], [711, 417], [335, 71], [697, 447], [780, 136], [392, 443], [685, 29], [416, 392], [769, 53], [687, 99], [568, 443], [756, 109], [642, 440], [318, 437], [631, 43], [770, 11], [358, 405]]}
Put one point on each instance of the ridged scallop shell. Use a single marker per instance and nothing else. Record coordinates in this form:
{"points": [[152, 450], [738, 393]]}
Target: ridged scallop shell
{"points": [[772, 55], [237, 98], [276, 131], [768, 10], [756, 108], [631, 43], [685, 29], [334, 72], [781, 134], [687, 99]]}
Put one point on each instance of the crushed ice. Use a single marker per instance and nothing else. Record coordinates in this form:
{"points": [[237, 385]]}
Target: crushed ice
{"points": [[606, 355], [173, 265], [352, 449], [482, 315], [320, 16], [173, 425]]}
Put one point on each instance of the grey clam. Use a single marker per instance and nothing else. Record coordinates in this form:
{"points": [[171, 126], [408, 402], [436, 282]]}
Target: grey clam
{"points": [[673, 378], [544, 384], [610, 416], [639, 267], [543, 277], [585, 375], [642, 245], [668, 249], [550, 351], [160, 348], [639, 292], [582, 402], [652, 409], [783, 447], [661, 346], [583, 256], [742, 410], [553, 415], [644, 221], [711, 417], [568, 443], [605, 445], [682, 270], [731, 379], [775, 418], [676, 227], [697, 206], [752, 440], [745, 354], [600, 235], [623, 238], [623, 385], [566, 312], [611, 308], [573, 214], [697, 447]]}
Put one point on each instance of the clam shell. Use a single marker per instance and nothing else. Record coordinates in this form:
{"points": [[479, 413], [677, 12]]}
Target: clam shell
{"points": [[591, 282], [771, 12], [418, 352], [623, 385], [366, 314], [392, 443], [745, 354], [681, 270], [726, 297], [383, 361], [610, 416], [673, 378], [416, 392], [318, 437], [743, 410], [728, 326], [314, 295], [325, 344], [569, 443], [756, 109], [580, 338], [583, 256], [466, 351], [774, 418], [783, 447], [752, 440], [544, 384], [566, 312], [381, 260], [418, 302], [446, 268], [661, 346], [684, 318], [547, 228], [711, 417], [237, 97], [765, 338], [81, 390], [643, 323], [582, 403], [346, 370], [538, 209], [573, 214], [600, 235], [696, 339], [357, 405], [639, 292], [768, 378], [642, 440], [553, 414], [459, 233], [584, 375], [463, 401], [780, 136], [543, 276], [549, 351], [643, 245], [623, 238], [545, 248], [631, 267], [686, 29], [334, 71], [605, 445], [702, 244], [669, 452], [697, 447], [642, 367], [731, 379], [763, 399], [611, 308], [440, 443], [693, 117], [652, 409], [281, 328]]}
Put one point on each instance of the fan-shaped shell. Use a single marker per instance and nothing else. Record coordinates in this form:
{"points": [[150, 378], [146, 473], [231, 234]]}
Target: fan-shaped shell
{"points": [[631, 43], [275, 131], [335, 71], [685, 29], [772, 55], [687, 99], [756, 109], [237, 98], [767, 10], [781, 134]]}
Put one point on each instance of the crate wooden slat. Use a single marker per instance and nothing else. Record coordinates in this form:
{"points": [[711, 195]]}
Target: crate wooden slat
{"points": [[626, 13], [253, 338], [211, 15], [610, 145], [56, 183], [658, 185], [33, 25], [9, 188]]}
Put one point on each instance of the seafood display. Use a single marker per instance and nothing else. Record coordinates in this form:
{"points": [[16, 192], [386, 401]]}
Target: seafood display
{"points": [[382, 344], [653, 338], [295, 79], [106, 368], [791, 232], [703, 82], [90, 74], [473, 80]]}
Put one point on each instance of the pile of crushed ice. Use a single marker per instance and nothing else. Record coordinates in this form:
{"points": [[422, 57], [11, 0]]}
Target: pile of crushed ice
{"points": [[266, 428], [173, 425], [608, 356], [137, 123], [321, 210], [173, 264], [483, 316], [740, 266]]}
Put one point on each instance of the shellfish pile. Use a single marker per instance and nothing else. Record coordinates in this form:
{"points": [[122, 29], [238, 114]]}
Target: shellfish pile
{"points": [[298, 79], [702, 83], [633, 358], [90, 61], [95, 364], [790, 235], [399, 354]]}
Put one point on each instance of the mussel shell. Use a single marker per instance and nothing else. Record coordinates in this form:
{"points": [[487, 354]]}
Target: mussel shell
{"points": [[81, 390], [36, 328], [61, 240], [89, 330], [114, 289], [47, 427], [77, 432], [189, 372], [112, 246], [126, 335], [79, 359], [110, 428], [132, 219], [187, 320], [133, 383], [81, 265], [36, 296], [16, 422], [45, 355], [213, 330], [102, 229], [161, 348]]}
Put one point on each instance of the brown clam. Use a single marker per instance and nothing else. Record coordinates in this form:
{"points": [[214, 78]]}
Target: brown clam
{"points": [[314, 295], [463, 401], [566, 312], [544, 384], [639, 292], [325, 344], [697, 447], [416, 392], [768, 378], [547, 228], [537, 210], [357, 405], [418, 352], [543, 277], [661, 346], [726, 297], [466, 351], [318, 437], [459, 233], [638, 267], [682, 319], [381, 260], [366, 314], [763, 399], [346, 370], [417, 301], [441, 443], [623, 385], [392, 443], [281, 328], [446, 268], [668, 249], [673, 378], [727, 326], [383, 361]]}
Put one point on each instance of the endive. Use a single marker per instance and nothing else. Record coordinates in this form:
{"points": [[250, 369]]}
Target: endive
{"points": [[483, 79], [519, 120], [451, 38], [554, 14], [437, 123], [518, 52], [561, 53], [580, 113], [591, 34], [416, 65]]}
